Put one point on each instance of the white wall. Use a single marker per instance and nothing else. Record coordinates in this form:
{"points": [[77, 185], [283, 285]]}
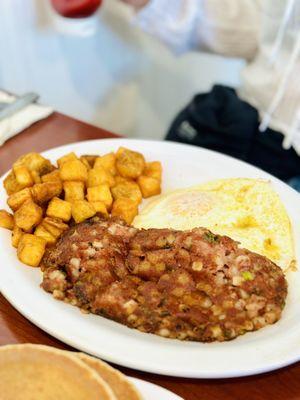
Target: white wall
{"points": [[118, 78]]}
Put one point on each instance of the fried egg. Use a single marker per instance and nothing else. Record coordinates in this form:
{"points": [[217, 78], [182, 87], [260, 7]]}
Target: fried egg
{"points": [[246, 210]]}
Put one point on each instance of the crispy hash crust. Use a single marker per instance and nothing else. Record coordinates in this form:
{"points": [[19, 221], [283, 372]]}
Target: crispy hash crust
{"points": [[190, 285]]}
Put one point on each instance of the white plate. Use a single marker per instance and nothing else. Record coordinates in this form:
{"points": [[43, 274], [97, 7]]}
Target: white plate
{"points": [[267, 349], [149, 391]]}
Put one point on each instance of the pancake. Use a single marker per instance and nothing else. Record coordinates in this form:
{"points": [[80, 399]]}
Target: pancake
{"points": [[30, 372], [120, 385]]}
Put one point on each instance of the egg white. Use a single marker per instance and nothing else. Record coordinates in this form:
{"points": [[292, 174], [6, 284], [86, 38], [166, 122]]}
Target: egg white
{"points": [[247, 210]]}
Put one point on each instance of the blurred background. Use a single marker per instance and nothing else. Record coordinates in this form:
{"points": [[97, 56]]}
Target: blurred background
{"points": [[115, 77]]}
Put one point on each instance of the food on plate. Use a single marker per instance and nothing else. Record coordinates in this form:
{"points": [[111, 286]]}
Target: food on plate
{"points": [[120, 385], [10, 184], [44, 192], [31, 249], [28, 216], [55, 226], [153, 169], [130, 164], [108, 162], [30, 371], [74, 191], [73, 170], [99, 176], [149, 186], [82, 210], [90, 159], [23, 175], [16, 235], [15, 200], [192, 285], [58, 208], [43, 233], [46, 199], [68, 157], [127, 189], [34, 164], [246, 210], [100, 193], [124, 208], [53, 176], [6, 220]]}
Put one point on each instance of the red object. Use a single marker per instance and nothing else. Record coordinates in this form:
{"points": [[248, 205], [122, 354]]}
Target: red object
{"points": [[76, 8]]}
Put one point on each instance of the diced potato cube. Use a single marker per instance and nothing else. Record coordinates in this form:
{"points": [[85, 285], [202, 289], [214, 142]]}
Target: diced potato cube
{"points": [[108, 162], [36, 177], [16, 235], [130, 164], [100, 208], [31, 249], [43, 192], [54, 225], [46, 168], [153, 169], [121, 179], [91, 159], [74, 191], [120, 151], [100, 193], [6, 220], [28, 216], [73, 171], [53, 176], [99, 176], [17, 199], [85, 162], [35, 162], [58, 208], [82, 210], [124, 208], [149, 186], [42, 232], [68, 157], [23, 176], [128, 190], [11, 185]]}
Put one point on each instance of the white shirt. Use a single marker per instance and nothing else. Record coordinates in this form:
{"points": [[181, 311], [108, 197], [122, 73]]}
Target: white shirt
{"points": [[266, 33]]}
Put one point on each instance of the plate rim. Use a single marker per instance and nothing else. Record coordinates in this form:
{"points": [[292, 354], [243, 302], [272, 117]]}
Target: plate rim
{"points": [[134, 380]]}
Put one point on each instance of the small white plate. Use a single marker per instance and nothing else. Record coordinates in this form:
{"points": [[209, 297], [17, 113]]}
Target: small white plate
{"points": [[272, 347], [149, 391]]}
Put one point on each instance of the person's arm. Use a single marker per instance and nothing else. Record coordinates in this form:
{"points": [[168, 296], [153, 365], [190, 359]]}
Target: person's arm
{"points": [[226, 27]]}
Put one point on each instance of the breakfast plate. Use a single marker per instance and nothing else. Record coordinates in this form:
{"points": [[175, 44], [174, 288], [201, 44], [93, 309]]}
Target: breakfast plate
{"points": [[183, 166]]}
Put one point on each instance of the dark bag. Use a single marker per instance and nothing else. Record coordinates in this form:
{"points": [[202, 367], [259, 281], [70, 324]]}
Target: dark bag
{"points": [[220, 121]]}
